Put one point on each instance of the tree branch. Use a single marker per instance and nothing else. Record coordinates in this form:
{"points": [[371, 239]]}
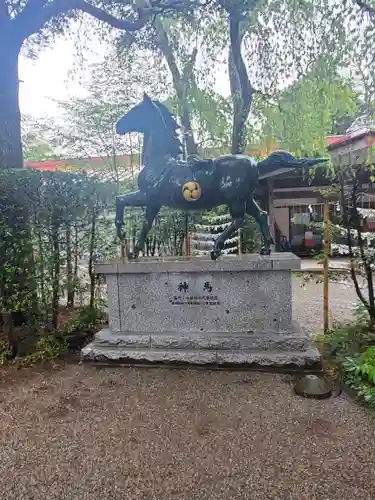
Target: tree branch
{"points": [[241, 88], [347, 223], [366, 264], [4, 13], [369, 9], [163, 6], [38, 12], [33, 19]]}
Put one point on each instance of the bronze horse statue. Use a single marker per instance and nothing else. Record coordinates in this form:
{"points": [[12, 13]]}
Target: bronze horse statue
{"points": [[196, 184]]}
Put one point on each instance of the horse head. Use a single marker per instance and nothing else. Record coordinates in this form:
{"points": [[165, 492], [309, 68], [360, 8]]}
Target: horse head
{"points": [[156, 122], [138, 118]]}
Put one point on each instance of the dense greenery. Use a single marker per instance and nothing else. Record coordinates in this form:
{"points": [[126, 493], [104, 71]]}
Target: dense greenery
{"points": [[351, 348], [309, 111], [350, 351], [49, 223]]}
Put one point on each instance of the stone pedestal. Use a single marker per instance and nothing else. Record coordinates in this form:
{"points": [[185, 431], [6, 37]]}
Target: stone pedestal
{"points": [[233, 311]]}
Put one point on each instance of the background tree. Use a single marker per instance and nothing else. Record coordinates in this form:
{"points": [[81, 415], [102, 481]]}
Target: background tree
{"points": [[38, 22], [284, 41], [279, 42], [36, 146], [87, 127], [310, 110], [174, 42]]}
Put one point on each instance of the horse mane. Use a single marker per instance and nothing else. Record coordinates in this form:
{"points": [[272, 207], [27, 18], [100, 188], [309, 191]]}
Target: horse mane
{"points": [[168, 117], [171, 126]]}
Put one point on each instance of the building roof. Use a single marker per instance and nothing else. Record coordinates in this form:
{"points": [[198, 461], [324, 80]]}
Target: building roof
{"points": [[71, 163], [93, 166], [332, 139], [128, 166], [353, 137], [363, 127]]}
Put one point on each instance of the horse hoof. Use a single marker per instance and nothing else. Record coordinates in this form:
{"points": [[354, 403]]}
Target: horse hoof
{"points": [[132, 256], [265, 251], [215, 254]]}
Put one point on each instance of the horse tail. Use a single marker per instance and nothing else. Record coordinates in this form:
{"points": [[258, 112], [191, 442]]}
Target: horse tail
{"points": [[283, 159]]}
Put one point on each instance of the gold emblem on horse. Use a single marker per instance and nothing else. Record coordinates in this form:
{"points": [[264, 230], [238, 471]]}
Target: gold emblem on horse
{"points": [[191, 191]]}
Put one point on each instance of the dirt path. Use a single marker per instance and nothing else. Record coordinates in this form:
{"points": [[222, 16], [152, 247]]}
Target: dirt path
{"points": [[82, 433]]}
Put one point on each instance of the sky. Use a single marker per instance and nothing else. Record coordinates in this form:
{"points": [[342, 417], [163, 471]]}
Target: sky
{"points": [[55, 76]]}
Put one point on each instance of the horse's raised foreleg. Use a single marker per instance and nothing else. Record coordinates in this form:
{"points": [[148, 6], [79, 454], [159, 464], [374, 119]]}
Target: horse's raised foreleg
{"points": [[151, 213], [135, 199], [237, 212], [254, 210]]}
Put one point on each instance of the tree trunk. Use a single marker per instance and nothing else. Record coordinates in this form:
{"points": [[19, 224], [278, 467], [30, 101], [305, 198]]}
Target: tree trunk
{"points": [[10, 118], [181, 83], [241, 89], [55, 275], [69, 268], [91, 257]]}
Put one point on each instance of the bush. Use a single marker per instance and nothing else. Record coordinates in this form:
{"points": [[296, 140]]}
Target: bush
{"points": [[350, 352], [359, 374], [49, 223], [80, 330]]}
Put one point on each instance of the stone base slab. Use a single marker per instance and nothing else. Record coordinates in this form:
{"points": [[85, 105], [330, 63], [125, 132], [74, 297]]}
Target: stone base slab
{"points": [[251, 292], [263, 349]]}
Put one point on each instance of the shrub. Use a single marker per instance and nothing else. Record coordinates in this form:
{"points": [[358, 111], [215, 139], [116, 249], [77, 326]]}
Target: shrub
{"points": [[359, 374], [350, 351], [49, 223], [82, 327]]}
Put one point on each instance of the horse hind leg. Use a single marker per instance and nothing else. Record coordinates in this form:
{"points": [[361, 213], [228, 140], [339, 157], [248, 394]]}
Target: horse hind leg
{"points": [[261, 216], [237, 212]]}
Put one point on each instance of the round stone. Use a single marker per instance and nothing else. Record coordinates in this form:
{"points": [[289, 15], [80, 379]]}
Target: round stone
{"points": [[312, 386]]}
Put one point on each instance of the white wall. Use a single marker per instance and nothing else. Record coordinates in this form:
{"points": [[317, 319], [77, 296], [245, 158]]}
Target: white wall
{"points": [[281, 215]]}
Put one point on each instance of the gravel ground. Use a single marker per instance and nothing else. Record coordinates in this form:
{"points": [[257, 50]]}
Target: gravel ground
{"points": [[308, 303], [75, 432], [82, 433]]}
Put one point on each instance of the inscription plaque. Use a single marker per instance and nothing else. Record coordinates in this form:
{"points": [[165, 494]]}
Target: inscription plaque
{"points": [[195, 300]]}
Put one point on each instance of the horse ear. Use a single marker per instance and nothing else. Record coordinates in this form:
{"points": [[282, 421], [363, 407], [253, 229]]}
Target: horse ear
{"points": [[146, 98]]}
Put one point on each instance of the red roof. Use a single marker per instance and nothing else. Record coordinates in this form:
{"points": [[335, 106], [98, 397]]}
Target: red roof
{"points": [[333, 139], [87, 162], [46, 164], [354, 136], [74, 162]]}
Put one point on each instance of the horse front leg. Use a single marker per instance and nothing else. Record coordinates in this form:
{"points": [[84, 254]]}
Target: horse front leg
{"points": [[254, 210], [237, 213], [134, 199], [151, 213]]}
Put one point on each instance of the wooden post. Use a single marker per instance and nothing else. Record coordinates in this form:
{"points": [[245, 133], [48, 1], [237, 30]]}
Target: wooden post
{"points": [[326, 257], [187, 236], [271, 211]]}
